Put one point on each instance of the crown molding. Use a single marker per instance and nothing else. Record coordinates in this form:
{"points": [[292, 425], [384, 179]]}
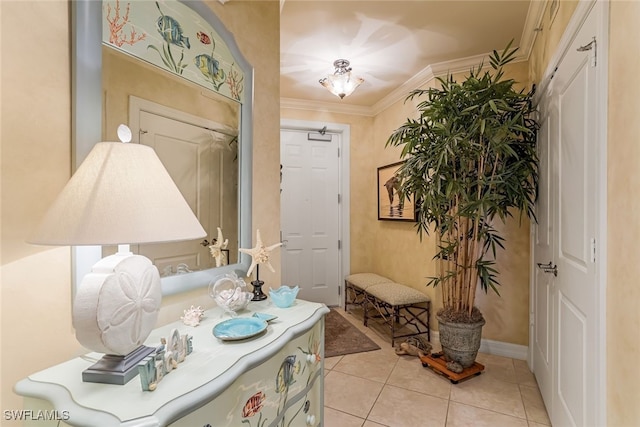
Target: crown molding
{"points": [[423, 77], [325, 107], [531, 28], [532, 25], [400, 94]]}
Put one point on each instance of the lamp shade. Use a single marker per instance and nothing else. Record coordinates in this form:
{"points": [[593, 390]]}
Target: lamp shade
{"points": [[120, 194]]}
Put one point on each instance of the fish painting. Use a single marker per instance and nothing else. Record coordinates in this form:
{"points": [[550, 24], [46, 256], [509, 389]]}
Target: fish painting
{"points": [[210, 68], [204, 38], [171, 31], [284, 379], [253, 405], [207, 65]]}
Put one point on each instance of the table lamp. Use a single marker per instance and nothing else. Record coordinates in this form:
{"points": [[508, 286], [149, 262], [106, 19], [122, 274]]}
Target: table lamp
{"points": [[121, 194]]}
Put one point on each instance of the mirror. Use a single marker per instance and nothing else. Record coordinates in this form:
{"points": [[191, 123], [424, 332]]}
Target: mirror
{"points": [[223, 135], [194, 131]]}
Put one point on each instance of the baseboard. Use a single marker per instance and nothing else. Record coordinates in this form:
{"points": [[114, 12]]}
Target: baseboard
{"points": [[497, 348]]}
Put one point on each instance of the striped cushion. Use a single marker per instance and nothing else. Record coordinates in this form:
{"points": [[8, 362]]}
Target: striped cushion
{"points": [[397, 294], [365, 280]]}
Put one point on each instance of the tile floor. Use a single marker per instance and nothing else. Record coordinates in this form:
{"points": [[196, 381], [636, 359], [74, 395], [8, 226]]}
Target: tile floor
{"points": [[379, 388]]}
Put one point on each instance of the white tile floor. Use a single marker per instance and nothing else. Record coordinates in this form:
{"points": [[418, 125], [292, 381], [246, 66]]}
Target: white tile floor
{"points": [[379, 388]]}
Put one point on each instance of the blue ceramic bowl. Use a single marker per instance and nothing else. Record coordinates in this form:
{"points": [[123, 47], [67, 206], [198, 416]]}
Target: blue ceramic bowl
{"points": [[284, 296]]}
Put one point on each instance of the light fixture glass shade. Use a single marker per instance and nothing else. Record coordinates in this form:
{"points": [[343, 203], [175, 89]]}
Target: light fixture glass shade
{"points": [[120, 194], [341, 83]]}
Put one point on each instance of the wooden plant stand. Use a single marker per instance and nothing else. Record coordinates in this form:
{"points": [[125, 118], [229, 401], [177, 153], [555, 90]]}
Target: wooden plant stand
{"points": [[437, 364]]}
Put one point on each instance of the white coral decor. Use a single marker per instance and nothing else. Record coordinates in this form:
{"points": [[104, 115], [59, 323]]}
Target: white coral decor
{"points": [[192, 316]]}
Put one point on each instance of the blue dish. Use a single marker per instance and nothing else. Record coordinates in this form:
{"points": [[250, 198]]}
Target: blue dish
{"points": [[284, 296], [239, 328], [265, 316]]}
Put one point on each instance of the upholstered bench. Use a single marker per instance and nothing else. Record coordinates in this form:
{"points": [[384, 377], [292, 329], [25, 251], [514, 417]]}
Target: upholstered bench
{"points": [[355, 286], [404, 310]]}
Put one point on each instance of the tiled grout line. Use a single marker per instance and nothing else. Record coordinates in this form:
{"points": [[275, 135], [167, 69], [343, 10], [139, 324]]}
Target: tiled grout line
{"points": [[371, 332], [347, 413], [351, 317], [526, 417], [374, 403], [446, 414], [491, 410], [381, 390]]}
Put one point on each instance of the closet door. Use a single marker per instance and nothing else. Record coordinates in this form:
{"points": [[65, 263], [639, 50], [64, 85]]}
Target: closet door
{"points": [[566, 286], [544, 239]]}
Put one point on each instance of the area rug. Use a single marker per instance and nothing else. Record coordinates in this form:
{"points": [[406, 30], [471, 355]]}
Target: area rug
{"points": [[341, 337]]}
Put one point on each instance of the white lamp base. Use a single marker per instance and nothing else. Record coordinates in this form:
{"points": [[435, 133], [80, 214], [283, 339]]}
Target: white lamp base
{"points": [[115, 310]]}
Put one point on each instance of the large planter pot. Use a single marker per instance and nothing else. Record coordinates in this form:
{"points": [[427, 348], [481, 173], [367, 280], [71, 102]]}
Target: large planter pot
{"points": [[460, 341]]}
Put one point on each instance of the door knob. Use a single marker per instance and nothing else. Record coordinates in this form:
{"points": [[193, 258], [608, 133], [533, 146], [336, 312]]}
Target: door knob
{"points": [[550, 267]]}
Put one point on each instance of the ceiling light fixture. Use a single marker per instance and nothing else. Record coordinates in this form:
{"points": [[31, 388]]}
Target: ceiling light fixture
{"points": [[341, 83]]}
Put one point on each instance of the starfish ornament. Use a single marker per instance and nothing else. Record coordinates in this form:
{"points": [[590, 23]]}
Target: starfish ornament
{"points": [[259, 254], [216, 248]]}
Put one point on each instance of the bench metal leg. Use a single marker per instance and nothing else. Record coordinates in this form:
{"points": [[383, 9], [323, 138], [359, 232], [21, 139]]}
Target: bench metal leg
{"points": [[346, 295], [394, 319], [414, 316], [366, 312]]}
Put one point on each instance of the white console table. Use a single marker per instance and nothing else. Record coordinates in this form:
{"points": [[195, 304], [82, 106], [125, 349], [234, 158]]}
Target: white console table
{"points": [[265, 381]]}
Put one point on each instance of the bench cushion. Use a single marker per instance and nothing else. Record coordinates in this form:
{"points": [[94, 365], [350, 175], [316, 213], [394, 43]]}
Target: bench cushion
{"points": [[397, 294], [365, 280]]}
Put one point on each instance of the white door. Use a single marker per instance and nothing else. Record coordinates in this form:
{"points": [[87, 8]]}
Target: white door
{"points": [[543, 291], [309, 214], [566, 315], [186, 151]]}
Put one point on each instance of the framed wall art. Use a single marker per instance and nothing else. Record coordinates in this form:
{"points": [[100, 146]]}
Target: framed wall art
{"points": [[392, 204]]}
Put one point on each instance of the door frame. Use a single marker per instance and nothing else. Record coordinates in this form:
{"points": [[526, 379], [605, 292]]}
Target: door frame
{"points": [[583, 9], [137, 104], [344, 234]]}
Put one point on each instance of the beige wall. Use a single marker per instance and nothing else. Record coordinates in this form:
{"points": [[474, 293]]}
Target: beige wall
{"points": [[623, 210], [35, 135], [507, 315], [35, 147], [398, 252], [35, 296], [393, 249], [547, 40]]}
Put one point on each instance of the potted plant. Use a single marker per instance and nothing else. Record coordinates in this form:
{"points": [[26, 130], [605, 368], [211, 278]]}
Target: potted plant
{"points": [[470, 157]]}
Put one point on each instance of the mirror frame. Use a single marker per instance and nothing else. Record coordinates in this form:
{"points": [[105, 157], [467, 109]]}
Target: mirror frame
{"points": [[86, 130]]}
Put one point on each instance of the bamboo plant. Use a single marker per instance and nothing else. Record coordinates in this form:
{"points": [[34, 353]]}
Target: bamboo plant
{"points": [[470, 157]]}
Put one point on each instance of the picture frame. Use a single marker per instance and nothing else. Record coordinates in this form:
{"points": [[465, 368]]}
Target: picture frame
{"points": [[392, 205]]}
